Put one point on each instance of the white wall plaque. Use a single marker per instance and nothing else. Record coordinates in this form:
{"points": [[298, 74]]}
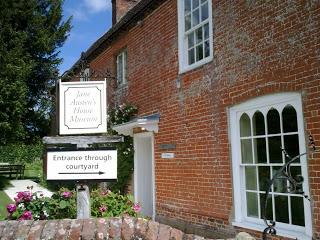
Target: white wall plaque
{"points": [[82, 107], [82, 165], [167, 155]]}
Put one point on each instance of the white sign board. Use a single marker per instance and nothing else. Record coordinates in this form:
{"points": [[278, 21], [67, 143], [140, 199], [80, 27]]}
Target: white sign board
{"points": [[167, 155], [82, 107], [80, 165]]}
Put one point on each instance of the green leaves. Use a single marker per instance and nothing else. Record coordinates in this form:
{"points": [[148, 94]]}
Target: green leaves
{"points": [[30, 34], [118, 115]]}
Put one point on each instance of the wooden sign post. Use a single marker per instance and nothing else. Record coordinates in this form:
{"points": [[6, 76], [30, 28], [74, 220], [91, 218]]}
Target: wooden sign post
{"points": [[82, 110]]}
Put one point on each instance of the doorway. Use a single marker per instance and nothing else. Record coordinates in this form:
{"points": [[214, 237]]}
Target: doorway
{"points": [[144, 183]]}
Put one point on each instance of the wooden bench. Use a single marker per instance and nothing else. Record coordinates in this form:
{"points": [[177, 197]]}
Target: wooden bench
{"points": [[12, 169]]}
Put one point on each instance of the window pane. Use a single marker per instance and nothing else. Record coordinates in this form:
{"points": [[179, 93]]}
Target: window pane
{"points": [[187, 23], [119, 68], [297, 211], [191, 56], [269, 213], [199, 52], [190, 40], [195, 4], [289, 119], [206, 31], [297, 176], [260, 150], [245, 129], [281, 208], [280, 184], [187, 6], [204, 12], [291, 145], [275, 153], [273, 121], [251, 178], [258, 123], [206, 49], [195, 17], [246, 151], [125, 66], [264, 177], [199, 35], [252, 204]]}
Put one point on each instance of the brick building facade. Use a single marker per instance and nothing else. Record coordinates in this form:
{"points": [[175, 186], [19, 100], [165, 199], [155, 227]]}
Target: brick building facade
{"points": [[229, 84]]}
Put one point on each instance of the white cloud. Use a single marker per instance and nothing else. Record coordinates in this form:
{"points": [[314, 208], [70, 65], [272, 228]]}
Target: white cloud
{"points": [[95, 6], [81, 11], [78, 14]]}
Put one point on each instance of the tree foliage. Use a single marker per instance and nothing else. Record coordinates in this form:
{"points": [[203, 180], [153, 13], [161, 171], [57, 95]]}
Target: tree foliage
{"points": [[30, 34], [119, 115]]}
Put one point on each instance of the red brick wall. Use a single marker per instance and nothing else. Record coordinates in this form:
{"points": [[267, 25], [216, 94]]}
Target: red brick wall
{"points": [[273, 46]]}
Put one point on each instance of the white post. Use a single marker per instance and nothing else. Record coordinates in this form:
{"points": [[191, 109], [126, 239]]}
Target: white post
{"points": [[83, 201], [83, 194]]}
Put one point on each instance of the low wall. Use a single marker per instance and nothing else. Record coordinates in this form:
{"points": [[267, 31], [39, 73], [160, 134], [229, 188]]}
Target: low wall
{"points": [[126, 228]]}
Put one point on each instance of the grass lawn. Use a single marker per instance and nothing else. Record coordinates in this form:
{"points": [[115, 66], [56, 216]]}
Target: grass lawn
{"points": [[4, 200]]}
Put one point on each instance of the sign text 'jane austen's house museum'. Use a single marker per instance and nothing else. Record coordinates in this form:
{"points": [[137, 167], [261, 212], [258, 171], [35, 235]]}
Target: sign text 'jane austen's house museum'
{"points": [[228, 92]]}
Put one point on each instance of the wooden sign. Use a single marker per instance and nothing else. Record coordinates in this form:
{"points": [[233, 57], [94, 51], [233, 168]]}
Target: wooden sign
{"points": [[82, 107], [82, 165]]}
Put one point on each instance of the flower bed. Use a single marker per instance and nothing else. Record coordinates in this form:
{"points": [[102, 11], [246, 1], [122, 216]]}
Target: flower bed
{"points": [[62, 204]]}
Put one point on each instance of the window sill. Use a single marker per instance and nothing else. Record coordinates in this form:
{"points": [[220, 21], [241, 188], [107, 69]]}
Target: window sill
{"points": [[186, 68], [280, 231], [122, 85]]}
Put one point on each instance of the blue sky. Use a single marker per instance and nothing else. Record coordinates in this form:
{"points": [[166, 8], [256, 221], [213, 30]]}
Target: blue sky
{"points": [[91, 19]]}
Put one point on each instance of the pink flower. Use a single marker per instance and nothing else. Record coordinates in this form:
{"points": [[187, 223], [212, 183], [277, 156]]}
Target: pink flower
{"points": [[104, 193], [27, 215], [136, 207], [11, 208], [66, 194], [23, 196], [103, 208]]}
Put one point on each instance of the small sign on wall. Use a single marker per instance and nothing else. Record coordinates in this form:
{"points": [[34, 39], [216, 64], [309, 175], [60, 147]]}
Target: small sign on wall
{"points": [[167, 155], [82, 107]]}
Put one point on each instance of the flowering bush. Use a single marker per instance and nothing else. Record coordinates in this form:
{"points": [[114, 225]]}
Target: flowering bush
{"points": [[118, 115], [110, 204], [29, 205], [62, 204]]}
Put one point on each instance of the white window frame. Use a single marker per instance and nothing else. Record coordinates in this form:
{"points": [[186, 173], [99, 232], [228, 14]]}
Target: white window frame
{"points": [[182, 39], [124, 55], [86, 75], [240, 208]]}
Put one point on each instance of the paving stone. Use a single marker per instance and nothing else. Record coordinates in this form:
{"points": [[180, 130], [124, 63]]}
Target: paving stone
{"points": [[63, 229], [141, 227], [9, 230], [102, 231], [176, 234], [115, 228], [23, 230], [152, 232], [164, 232], [2, 226], [50, 229], [36, 229], [196, 237], [127, 228], [88, 229], [75, 229]]}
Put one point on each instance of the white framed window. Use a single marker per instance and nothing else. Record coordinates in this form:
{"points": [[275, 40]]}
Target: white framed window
{"points": [[194, 33], [259, 128], [85, 76], [122, 68]]}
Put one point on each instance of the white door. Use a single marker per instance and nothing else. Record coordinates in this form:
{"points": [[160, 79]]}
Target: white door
{"points": [[144, 173]]}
